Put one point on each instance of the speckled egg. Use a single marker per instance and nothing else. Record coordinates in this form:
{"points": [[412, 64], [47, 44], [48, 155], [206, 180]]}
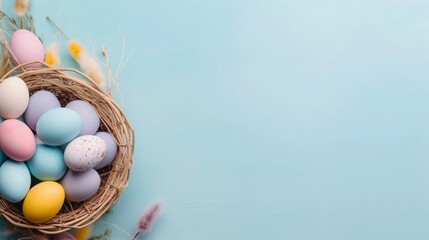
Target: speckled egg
{"points": [[84, 152], [111, 149], [90, 119], [43, 202], [80, 186], [17, 140], [15, 181], [58, 126], [47, 164], [14, 97], [26, 47], [39, 103]]}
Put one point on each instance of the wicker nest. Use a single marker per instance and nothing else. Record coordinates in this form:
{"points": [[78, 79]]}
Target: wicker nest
{"points": [[114, 177]]}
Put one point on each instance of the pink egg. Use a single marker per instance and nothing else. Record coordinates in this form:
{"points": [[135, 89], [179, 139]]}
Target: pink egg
{"points": [[26, 47], [17, 140]]}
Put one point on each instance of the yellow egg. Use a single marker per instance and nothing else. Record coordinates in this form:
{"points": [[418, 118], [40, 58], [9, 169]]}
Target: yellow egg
{"points": [[43, 202]]}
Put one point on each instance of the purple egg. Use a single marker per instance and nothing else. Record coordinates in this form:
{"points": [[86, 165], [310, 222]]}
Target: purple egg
{"points": [[64, 236], [111, 149], [39, 103], [90, 119], [80, 186]]}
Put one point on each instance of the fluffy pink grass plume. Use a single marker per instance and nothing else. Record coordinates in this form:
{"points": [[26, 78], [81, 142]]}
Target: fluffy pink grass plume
{"points": [[148, 218]]}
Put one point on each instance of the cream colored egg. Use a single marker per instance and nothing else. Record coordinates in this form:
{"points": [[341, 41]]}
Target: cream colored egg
{"points": [[14, 97]]}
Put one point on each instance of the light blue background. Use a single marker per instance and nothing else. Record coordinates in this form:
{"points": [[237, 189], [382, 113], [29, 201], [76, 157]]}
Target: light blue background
{"points": [[265, 119]]}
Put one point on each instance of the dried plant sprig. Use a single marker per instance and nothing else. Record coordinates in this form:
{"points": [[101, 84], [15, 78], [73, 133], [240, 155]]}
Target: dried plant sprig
{"points": [[21, 6], [104, 236], [6, 61], [146, 221], [27, 21], [87, 62], [52, 57]]}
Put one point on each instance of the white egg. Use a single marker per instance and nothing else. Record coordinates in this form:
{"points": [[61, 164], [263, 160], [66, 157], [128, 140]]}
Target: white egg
{"points": [[14, 97]]}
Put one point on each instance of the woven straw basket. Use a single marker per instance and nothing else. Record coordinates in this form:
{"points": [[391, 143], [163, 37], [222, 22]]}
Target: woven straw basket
{"points": [[114, 177]]}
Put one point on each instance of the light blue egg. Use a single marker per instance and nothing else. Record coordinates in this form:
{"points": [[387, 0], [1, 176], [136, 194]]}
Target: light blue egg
{"points": [[15, 181], [58, 126], [47, 164]]}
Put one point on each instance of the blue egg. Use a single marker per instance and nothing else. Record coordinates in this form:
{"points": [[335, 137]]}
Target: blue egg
{"points": [[58, 126], [15, 181], [47, 164]]}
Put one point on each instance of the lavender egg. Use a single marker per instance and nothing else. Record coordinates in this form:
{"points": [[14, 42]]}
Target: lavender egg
{"points": [[80, 186], [40, 102], [111, 149], [90, 119]]}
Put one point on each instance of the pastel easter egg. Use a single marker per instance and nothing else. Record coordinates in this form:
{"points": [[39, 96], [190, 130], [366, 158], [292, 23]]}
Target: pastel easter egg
{"points": [[15, 181], [14, 97], [58, 126], [26, 47], [47, 164], [64, 236], [111, 149], [43, 202], [90, 119], [39, 103], [84, 153], [80, 186], [17, 140]]}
